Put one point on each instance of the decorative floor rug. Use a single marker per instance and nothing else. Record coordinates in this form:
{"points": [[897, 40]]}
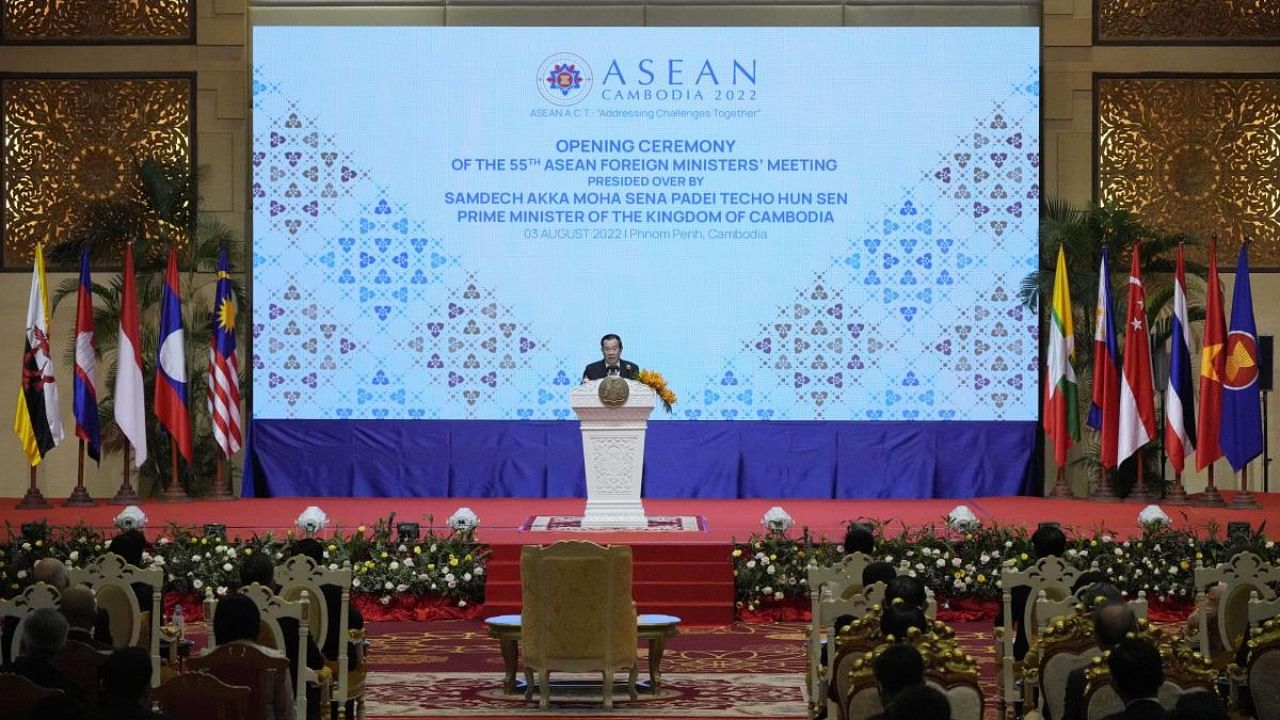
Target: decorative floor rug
{"points": [[657, 523]]}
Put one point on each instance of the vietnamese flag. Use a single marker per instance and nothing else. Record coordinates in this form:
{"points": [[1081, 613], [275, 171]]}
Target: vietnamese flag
{"points": [[1213, 365]]}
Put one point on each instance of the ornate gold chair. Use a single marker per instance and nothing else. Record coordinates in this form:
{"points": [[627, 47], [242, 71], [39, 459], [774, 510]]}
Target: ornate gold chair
{"points": [[300, 576], [946, 667], [273, 608], [36, 596], [1263, 667], [202, 696], [1243, 575], [246, 665], [852, 644], [112, 580], [1050, 575], [1185, 670], [833, 592], [577, 614]]}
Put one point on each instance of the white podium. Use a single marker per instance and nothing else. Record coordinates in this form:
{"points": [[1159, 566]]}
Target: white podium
{"points": [[613, 452]]}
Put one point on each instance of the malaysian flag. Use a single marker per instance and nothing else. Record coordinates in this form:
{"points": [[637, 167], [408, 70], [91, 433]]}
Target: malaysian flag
{"points": [[224, 369]]}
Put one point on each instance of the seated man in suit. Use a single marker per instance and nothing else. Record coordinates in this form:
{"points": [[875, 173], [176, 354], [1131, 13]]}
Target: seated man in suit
{"points": [[126, 686], [612, 364], [1047, 541], [333, 603], [1137, 675], [1112, 621], [919, 702], [44, 633], [80, 607], [52, 571], [257, 568], [237, 620], [897, 668]]}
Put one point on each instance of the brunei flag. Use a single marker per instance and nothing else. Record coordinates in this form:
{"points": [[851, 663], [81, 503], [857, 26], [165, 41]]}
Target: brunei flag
{"points": [[1061, 413], [36, 422]]}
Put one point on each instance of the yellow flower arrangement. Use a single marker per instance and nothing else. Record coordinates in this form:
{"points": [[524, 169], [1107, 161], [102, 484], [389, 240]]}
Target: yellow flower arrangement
{"points": [[654, 379]]}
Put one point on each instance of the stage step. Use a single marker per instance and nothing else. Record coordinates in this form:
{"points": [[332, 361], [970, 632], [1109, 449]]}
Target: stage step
{"points": [[693, 581]]}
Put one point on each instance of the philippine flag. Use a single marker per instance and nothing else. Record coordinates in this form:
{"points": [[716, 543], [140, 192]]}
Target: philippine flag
{"points": [[171, 364]]}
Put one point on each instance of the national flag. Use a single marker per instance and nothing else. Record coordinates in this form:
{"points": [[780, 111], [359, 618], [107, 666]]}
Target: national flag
{"points": [[1137, 424], [1241, 409], [1179, 402], [1104, 411], [1061, 413], [129, 400], [224, 367], [171, 363], [1213, 367], [36, 420], [85, 382]]}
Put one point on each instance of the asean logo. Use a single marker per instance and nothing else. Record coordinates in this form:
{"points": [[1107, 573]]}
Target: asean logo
{"points": [[564, 79], [1242, 361]]}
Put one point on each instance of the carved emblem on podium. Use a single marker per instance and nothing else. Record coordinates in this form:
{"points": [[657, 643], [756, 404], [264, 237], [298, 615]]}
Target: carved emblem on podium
{"points": [[614, 391]]}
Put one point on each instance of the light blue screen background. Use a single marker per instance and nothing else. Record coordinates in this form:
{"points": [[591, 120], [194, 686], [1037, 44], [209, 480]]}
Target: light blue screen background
{"points": [[372, 300]]}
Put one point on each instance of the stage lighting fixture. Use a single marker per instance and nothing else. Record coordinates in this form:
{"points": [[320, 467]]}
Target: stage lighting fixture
{"points": [[217, 530], [408, 531], [1238, 532]]}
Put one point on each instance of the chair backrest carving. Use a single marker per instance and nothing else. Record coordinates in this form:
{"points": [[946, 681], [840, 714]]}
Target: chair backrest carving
{"points": [[1243, 574], [1185, 670], [577, 609], [35, 596], [202, 696], [946, 666], [300, 576], [112, 580]]}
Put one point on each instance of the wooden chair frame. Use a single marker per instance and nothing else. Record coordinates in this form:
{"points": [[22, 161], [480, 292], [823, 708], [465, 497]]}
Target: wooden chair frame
{"points": [[111, 570]]}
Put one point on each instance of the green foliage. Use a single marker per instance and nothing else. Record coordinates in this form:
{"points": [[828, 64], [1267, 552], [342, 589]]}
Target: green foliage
{"points": [[955, 562], [166, 216], [443, 563]]}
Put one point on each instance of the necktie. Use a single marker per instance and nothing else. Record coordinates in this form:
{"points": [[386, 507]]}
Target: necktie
{"points": [[613, 369]]}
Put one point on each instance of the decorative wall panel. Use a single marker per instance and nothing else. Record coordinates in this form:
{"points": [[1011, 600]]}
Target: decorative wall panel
{"points": [[1199, 22], [94, 22], [1194, 154], [69, 141]]}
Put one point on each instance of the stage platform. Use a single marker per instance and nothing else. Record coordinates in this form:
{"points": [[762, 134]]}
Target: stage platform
{"points": [[686, 572]]}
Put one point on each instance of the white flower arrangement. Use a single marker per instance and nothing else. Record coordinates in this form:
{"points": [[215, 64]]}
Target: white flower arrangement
{"points": [[312, 520], [962, 518], [463, 519], [131, 518], [777, 520], [1152, 515]]}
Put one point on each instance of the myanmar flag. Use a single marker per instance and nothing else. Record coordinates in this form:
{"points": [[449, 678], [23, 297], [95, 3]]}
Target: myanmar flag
{"points": [[1061, 413]]}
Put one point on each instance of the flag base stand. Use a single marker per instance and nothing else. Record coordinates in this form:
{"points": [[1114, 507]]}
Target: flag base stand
{"points": [[79, 498], [33, 500], [1102, 492], [1177, 495], [1244, 500], [174, 492], [221, 488], [1209, 498], [1061, 489], [126, 495]]}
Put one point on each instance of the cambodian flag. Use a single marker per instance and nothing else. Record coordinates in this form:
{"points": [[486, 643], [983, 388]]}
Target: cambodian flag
{"points": [[171, 364], [1179, 400], [1104, 411], [1241, 408], [85, 382]]}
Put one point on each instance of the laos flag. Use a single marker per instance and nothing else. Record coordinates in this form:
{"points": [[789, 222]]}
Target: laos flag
{"points": [[171, 364]]}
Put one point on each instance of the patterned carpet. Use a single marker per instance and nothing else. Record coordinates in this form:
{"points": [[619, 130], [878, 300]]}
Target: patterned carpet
{"points": [[453, 669]]}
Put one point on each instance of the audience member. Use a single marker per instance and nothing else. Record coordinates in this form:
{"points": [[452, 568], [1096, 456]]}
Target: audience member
{"points": [[130, 545], [859, 538], [897, 619], [877, 572], [257, 568], [1087, 578], [1137, 675], [310, 547], [52, 571], [80, 607], [237, 620], [1112, 622], [44, 632], [907, 589], [1199, 706], [126, 686], [897, 668], [1046, 541], [919, 702]]}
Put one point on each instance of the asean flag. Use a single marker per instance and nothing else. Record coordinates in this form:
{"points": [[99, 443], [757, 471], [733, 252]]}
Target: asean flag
{"points": [[171, 364], [1241, 410]]}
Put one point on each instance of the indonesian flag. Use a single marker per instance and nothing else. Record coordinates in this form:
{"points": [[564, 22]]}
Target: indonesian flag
{"points": [[1061, 414], [1213, 366], [171, 363], [36, 421], [1104, 411], [1137, 424], [130, 398], [1179, 402]]}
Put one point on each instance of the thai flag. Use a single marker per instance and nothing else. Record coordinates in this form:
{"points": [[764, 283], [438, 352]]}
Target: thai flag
{"points": [[1104, 411], [1179, 402], [171, 364], [85, 382]]}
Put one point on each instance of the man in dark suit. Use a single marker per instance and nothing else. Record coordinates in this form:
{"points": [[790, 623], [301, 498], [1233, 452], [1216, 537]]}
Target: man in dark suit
{"points": [[899, 667], [1137, 675], [612, 364], [79, 606], [1046, 541], [44, 633], [1112, 621]]}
